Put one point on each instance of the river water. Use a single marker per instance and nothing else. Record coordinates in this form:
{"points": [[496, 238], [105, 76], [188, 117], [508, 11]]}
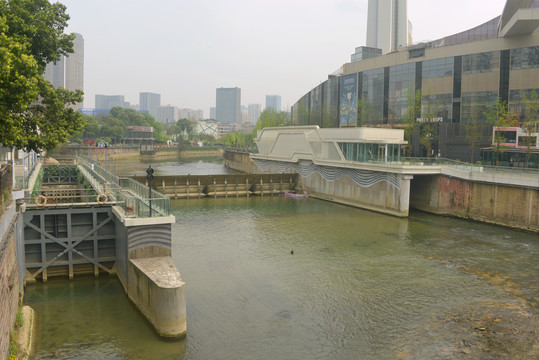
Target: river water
{"points": [[281, 278]]}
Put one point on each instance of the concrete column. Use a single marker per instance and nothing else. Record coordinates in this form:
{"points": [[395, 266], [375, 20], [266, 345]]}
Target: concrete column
{"points": [[404, 201]]}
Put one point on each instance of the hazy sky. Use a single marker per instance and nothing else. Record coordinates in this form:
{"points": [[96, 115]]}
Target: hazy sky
{"points": [[185, 49]]}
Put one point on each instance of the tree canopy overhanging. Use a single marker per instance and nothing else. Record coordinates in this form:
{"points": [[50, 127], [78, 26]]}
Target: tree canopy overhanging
{"points": [[33, 114]]}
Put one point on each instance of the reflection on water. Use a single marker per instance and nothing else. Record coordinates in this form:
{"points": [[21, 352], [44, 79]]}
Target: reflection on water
{"points": [[198, 166], [358, 285], [93, 319]]}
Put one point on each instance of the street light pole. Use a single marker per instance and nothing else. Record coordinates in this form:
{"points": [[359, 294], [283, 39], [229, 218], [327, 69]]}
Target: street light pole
{"points": [[150, 177]]}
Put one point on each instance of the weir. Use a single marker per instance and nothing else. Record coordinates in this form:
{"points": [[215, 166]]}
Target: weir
{"points": [[97, 224], [225, 185]]}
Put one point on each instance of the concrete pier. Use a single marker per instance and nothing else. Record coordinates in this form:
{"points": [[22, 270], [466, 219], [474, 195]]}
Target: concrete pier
{"points": [[156, 287], [147, 272]]}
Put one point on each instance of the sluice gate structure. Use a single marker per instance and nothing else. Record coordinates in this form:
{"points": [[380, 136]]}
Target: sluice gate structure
{"points": [[224, 185], [83, 220]]}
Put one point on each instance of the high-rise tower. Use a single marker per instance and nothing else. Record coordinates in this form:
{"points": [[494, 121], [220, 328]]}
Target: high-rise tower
{"points": [[273, 102], [150, 102], [54, 73], [227, 109], [74, 66], [387, 24]]}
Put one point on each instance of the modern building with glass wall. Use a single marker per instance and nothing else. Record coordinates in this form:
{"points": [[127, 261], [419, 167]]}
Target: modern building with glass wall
{"points": [[452, 79]]}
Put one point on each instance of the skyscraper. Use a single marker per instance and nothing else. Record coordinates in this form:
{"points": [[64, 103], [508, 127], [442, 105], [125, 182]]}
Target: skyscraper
{"points": [[74, 66], [54, 73], [150, 102], [253, 110], [227, 109], [68, 72], [387, 24], [273, 102]]}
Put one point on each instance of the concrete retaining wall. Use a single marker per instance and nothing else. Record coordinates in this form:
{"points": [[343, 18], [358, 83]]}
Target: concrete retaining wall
{"points": [[381, 197], [240, 161], [511, 206]]}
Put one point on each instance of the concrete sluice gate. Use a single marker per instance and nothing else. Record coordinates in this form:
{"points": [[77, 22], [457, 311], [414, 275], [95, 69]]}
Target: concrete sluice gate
{"points": [[68, 228]]}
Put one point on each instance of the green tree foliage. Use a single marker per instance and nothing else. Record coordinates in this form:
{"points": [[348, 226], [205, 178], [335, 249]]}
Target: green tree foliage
{"points": [[185, 131], [237, 139], [472, 131], [410, 117], [34, 114], [271, 118], [114, 126], [364, 112], [529, 126], [497, 115], [186, 127], [429, 137]]}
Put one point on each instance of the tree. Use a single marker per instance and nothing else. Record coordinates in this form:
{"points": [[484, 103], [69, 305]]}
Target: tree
{"points": [[112, 128], [364, 112], [410, 117], [34, 114], [237, 139], [497, 115], [428, 136], [185, 129], [472, 130], [529, 126], [271, 118]]}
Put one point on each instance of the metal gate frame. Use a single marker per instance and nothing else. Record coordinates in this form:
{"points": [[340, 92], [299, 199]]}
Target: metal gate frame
{"points": [[68, 243]]}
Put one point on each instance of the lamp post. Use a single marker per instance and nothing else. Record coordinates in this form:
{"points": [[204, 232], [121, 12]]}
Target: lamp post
{"points": [[149, 177]]}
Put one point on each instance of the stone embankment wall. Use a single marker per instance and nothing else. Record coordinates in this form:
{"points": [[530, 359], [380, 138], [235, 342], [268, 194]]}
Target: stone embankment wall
{"points": [[240, 161], [9, 288], [512, 206]]}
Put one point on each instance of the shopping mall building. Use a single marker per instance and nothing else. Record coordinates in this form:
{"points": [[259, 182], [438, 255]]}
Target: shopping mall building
{"points": [[457, 77]]}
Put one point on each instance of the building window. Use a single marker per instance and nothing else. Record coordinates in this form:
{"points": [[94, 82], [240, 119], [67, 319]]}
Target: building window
{"points": [[438, 68], [372, 95], [516, 102], [525, 58], [415, 53], [481, 63], [475, 104], [437, 106], [401, 87]]}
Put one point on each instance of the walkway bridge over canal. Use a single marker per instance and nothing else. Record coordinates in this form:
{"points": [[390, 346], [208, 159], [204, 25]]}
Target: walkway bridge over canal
{"points": [[81, 219]]}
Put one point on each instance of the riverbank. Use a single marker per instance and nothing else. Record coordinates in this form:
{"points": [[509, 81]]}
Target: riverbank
{"points": [[27, 334], [168, 153]]}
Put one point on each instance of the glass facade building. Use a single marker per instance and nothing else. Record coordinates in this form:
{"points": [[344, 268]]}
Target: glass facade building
{"points": [[455, 78]]}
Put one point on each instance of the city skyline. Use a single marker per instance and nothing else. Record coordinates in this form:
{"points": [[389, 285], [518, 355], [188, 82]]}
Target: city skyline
{"points": [[186, 61]]}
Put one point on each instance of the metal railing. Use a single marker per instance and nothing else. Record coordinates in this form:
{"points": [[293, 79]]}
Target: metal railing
{"points": [[435, 161], [130, 195]]}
